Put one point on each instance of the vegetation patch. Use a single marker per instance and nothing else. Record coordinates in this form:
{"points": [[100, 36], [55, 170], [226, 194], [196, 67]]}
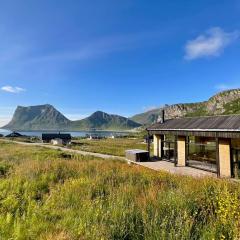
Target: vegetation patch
{"points": [[116, 146], [232, 107], [199, 111], [43, 196]]}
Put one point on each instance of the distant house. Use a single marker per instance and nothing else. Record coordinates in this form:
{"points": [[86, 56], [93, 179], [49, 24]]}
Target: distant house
{"points": [[95, 137], [57, 138], [14, 134]]}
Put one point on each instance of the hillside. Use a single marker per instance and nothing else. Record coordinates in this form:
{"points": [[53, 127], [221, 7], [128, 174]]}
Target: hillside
{"points": [[226, 102], [46, 117], [103, 121]]}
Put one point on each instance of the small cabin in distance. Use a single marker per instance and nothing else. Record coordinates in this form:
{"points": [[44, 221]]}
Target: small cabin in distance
{"points": [[94, 137], [57, 138]]}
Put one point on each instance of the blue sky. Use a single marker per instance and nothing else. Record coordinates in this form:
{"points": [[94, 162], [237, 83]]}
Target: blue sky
{"points": [[121, 57]]}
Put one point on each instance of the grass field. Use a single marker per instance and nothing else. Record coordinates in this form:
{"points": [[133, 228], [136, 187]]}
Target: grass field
{"points": [[47, 194], [116, 146], [24, 139]]}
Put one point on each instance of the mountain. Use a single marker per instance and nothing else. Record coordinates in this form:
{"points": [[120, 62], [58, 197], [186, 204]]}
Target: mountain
{"points": [[223, 103], [103, 121], [46, 117]]}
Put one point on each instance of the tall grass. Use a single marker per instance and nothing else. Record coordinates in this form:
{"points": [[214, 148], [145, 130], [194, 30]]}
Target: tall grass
{"points": [[45, 194], [116, 146]]}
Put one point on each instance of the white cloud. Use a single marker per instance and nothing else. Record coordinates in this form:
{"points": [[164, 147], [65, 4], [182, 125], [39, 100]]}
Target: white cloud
{"points": [[6, 113], [74, 117], [103, 46], [222, 86], [212, 43], [150, 108], [11, 89], [4, 120]]}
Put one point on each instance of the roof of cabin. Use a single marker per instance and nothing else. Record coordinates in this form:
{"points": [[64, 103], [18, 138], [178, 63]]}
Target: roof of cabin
{"points": [[49, 136], [209, 123]]}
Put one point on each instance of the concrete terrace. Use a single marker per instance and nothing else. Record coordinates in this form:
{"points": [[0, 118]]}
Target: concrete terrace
{"points": [[169, 167]]}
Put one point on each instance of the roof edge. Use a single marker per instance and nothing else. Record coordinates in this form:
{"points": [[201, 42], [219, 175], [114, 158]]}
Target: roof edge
{"points": [[195, 130]]}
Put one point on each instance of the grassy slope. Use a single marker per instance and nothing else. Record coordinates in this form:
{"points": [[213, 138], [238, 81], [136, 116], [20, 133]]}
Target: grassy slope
{"points": [[116, 146], [104, 121], [46, 194], [198, 109], [232, 107]]}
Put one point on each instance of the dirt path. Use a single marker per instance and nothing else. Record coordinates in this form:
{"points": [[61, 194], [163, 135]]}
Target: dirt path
{"points": [[157, 165], [100, 155]]}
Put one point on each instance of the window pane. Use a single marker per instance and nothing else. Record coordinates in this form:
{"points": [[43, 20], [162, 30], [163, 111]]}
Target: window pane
{"points": [[202, 154]]}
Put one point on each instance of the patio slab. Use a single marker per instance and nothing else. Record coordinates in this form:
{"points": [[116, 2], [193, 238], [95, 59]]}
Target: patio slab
{"points": [[169, 167]]}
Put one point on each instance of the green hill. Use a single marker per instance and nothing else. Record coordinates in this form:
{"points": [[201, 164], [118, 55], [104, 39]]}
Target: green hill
{"points": [[103, 121], [223, 103], [46, 117], [41, 117]]}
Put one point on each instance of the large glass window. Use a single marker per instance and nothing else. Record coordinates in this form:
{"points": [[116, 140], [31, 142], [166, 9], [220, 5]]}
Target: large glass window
{"points": [[235, 158], [236, 163], [168, 150], [202, 153]]}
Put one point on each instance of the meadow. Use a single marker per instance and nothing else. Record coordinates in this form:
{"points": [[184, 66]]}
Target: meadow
{"points": [[47, 194], [110, 146]]}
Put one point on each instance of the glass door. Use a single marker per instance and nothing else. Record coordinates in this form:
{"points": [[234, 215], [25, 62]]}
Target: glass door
{"points": [[236, 163], [202, 155], [169, 150]]}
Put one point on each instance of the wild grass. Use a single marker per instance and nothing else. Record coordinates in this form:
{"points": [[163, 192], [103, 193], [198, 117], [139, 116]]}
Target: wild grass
{"points": [[46, 194], [26, 139], [116, 146]]}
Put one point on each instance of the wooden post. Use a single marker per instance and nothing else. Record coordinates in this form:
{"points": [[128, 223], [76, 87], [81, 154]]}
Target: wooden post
{"points": [[148, 145], [181, 149], [161, 147], [224, 157], [175, 151], [217, 157], [187, 149]]}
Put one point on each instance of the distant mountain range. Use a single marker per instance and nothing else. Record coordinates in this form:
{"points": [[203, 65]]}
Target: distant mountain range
{"points": [[223, 103], [46, 117], [104, 121]]}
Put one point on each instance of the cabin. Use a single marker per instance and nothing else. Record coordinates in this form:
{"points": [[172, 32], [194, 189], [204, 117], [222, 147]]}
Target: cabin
{"points": [[64, 137], [95, 137], [209, 143]]}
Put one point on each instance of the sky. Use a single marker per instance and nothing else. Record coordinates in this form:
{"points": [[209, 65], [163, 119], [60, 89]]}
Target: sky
{"points": [[122, 57]]}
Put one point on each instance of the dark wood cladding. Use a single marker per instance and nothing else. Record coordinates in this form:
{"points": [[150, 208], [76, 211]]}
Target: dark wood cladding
{"points": [[222, 134]]}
